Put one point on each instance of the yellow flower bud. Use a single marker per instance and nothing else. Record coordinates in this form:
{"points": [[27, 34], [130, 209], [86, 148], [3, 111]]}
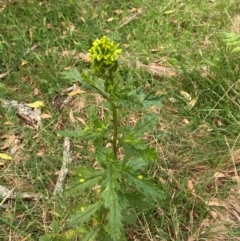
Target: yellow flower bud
{"points": [[140, 177]]}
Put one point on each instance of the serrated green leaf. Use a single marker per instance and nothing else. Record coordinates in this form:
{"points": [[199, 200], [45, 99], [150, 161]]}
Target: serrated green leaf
{"points": [[135, 143], [87, 133], [111, 201], [78, 133], [136, 164], [148, 154], [88, 172], [146, 187], [110, 185], [73, 75], [130, 217], [139, 201], [78, 188], [115, 226], [91, 178], [55, 226], [100, 152], [73, 233], [153, 99], [79, 218], [146, 124], [91, 235]]}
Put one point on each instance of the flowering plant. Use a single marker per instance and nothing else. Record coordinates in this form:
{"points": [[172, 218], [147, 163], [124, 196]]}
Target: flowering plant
{"points": [[120, 151], [104, 54]]}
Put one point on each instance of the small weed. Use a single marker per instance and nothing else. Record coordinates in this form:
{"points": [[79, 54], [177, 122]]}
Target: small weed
{"points": [[195, 135]]}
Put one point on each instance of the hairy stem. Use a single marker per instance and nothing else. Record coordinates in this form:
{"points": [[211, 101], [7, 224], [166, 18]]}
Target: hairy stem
{"points": [[115, 129], [114, 114]]}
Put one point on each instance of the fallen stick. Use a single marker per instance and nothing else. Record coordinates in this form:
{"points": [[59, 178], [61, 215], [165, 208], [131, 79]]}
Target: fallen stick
{"points": [[67, 159], [7, 194], [135, 16]]}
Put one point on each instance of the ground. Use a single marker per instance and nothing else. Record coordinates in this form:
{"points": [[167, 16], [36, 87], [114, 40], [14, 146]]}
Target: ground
{"points": [[178, 48]]}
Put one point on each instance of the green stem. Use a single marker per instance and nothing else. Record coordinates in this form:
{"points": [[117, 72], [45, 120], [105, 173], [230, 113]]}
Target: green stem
{"points": [[115, 129], [115, 116]]}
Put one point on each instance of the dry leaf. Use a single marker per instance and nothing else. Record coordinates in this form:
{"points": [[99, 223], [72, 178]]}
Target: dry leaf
{"points": [[11, 142], [49, 26], [35, 104], [161, 48], [76, 91], [215, 202], [71, 116], [214, 214], [118, 11], [191, 186], [81, 120], [186, 95], [138, 10], [219, 174], [192, 103], [110, 19], [236, 178], [185, 121], [83, 20], [5, 157], [24, 62], [170, 11], [36, 92], [46, 116], [41, 152], [217, 122]]}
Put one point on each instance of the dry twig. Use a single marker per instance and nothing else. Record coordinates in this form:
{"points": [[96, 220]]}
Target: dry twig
{"points": [[64, 169]]}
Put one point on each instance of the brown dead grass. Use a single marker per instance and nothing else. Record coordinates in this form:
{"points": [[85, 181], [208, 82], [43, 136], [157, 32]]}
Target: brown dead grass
{"points": [[236, 24]]}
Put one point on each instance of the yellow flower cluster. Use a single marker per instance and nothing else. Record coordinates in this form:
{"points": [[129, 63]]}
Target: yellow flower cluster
{"points": [[104, 51]]}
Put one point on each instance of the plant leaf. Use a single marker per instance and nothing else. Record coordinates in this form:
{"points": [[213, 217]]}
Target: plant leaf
{"points": [[136, 164], [111, 201], [153, 99], [138, 200], [73, 75], [91, 235], [147, 187], [35, 104], [79, 218], [145, 125], [78, 133], [91, 178], [5, 157], [86, 134]]}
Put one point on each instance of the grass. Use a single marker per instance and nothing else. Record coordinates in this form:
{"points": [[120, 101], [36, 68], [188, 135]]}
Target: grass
{"points": [[198, 145]]}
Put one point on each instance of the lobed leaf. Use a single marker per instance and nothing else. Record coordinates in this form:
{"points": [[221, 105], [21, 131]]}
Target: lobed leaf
{"points": [[146, 124], [79, 218], [91, 178], [148, 154], [111, 201], [136, 164], [115, 226], [153, 99], [146, 187], [78, 133], [91, 235], [78, 187], [73, 75]]}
